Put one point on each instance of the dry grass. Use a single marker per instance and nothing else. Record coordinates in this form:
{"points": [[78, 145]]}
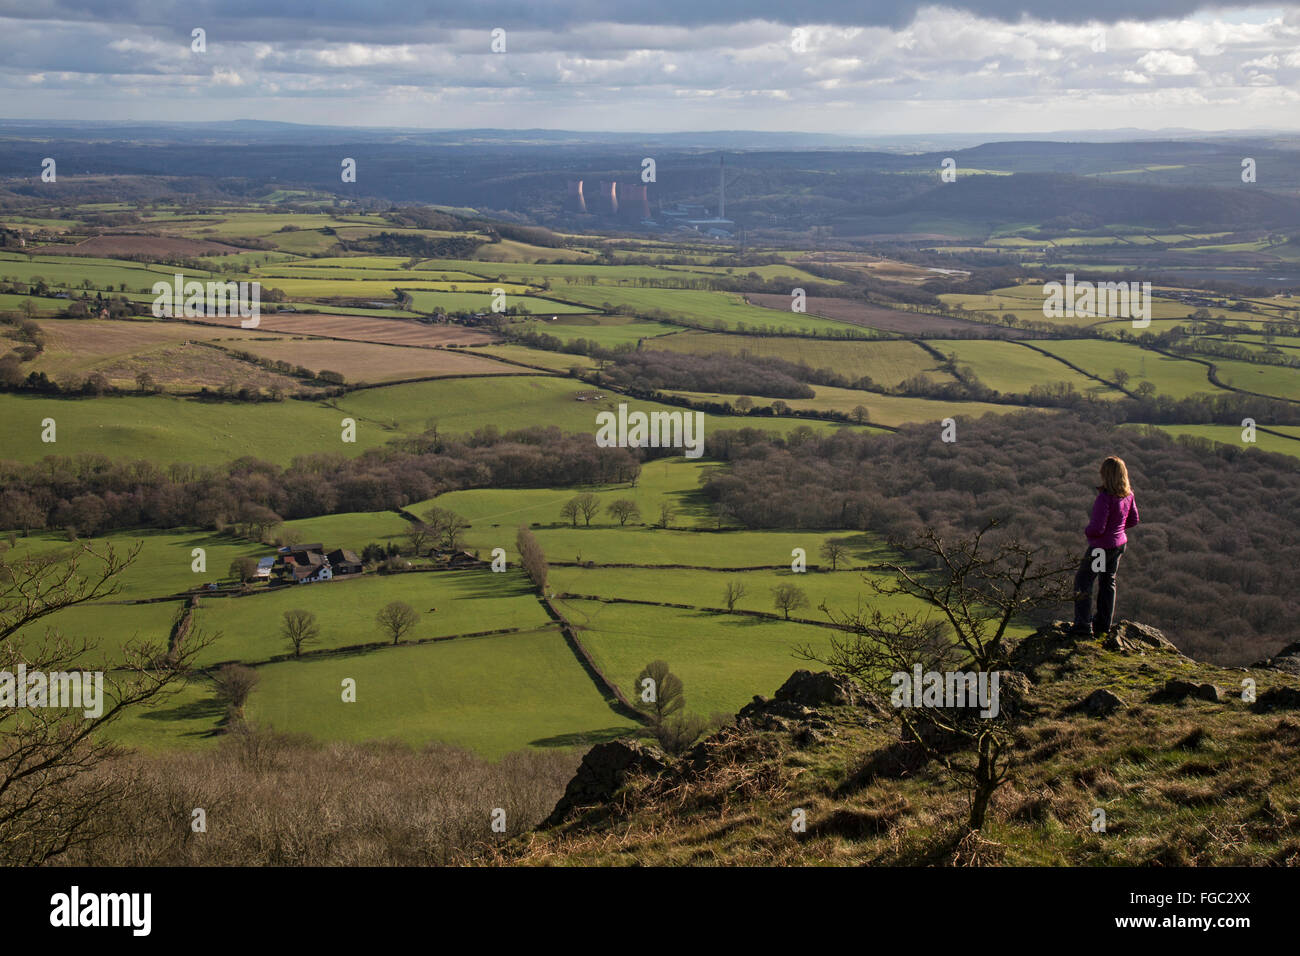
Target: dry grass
{"points": [[273, 800]]}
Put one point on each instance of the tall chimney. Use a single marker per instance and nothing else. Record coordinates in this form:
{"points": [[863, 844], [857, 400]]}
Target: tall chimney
{"points": [[609, 198], [634, 201], [577, 202]]}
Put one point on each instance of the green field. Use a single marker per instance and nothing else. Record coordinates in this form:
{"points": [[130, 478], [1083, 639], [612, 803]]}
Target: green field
{"points": [[606, 330], [722, 659], [492, 695], [1015, 369], [675, 480], [1231, 435], [1174, 377], [425, 301], [467, 602], [166, 429], [890, 410], [1277, 380], [885, 362], [711, 309], [164, 564]]}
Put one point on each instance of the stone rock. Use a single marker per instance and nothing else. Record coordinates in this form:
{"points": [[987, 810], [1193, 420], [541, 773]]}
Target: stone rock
{"points": [[1286, 660], [1130, 637], [818, 689], [1278, 698], [1101, 703], [1176, 689], [603, 772]]}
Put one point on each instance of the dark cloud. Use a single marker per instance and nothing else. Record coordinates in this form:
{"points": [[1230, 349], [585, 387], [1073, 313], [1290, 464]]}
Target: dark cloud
{"points": [[379, 20]]}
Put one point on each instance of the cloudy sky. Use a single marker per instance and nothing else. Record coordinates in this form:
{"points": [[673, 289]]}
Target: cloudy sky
{"points": [[842, 66]]}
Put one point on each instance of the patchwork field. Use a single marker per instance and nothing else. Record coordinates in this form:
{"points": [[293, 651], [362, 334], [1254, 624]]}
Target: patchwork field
{"points": [[868, 316], [1015, 369], [492, 695], [884, 362], [361, 362], [892, 410], [1174, 377]]}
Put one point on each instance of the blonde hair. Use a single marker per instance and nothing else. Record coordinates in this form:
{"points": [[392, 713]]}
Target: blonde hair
{"points": [[1114, 477]]}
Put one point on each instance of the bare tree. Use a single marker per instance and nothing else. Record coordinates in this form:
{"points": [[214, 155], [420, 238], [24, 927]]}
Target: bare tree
{"points": [[447, 526], [665, 514], [419, 535], [52, 796], [571, 511], [532, 558], [734, 592], [588, 504], [233, 684], [978, 588], [625, 510], [834, 550], [397, 618], [300, 628], [860, 414], [788, 597]]}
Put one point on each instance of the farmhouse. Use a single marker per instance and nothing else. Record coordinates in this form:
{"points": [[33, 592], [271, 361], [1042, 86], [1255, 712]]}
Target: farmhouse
{"points": [[343, 561], [304, 564]]}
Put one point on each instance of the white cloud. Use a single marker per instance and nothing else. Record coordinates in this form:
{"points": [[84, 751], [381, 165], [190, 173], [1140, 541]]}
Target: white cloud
{"points": [[364, 54], [1168, 63]]}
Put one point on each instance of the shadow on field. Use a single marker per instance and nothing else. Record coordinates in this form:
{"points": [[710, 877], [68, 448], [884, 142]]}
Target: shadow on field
{"points": [[742, 620], [586, 738], [488, 584], [195, 710]]}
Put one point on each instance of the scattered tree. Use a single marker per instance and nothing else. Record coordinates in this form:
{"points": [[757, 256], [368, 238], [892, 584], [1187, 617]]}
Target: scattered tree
{"points": [[396, 619], [243, 569], [788, 597], [658, 692], [734, 592], [624, 509], [835, 550], [532, 558], [983, 586], [299, 628], [233, 684], [588, 504]]}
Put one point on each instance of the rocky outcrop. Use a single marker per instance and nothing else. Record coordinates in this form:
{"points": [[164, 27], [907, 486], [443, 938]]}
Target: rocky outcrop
{"points": [[1279, 698], [1130, 637], [1176, 690], [1286, 660], [602, 773], [794, 708], [1101, 703]]}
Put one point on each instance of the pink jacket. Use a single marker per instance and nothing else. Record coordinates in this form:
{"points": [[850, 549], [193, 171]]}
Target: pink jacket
{"points": [[1111, 517]]}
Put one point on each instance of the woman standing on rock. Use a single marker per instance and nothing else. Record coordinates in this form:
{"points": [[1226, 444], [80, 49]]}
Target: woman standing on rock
{"points": [[1113, 512]]}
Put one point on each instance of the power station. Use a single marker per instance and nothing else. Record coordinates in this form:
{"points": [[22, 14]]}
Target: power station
{"points": [[631, 202]]}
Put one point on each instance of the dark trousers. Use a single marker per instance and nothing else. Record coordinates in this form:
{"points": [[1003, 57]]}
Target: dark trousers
{"points": [[1083, 579]]}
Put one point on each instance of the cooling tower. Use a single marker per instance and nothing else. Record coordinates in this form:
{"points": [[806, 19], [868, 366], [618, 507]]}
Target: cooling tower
{"points": [[576, 201], [608, 198], [635, 200]]}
